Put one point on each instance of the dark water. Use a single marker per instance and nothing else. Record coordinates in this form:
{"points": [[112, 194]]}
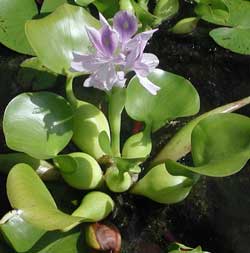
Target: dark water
{"points": [[216, 214]]}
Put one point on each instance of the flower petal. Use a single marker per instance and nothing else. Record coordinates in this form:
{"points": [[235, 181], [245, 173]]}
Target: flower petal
{"points": [[147, 64], [104, 78], [95, 38], [85, 63], [125, 23], [109, 40], [103, 20], [147, 84]]}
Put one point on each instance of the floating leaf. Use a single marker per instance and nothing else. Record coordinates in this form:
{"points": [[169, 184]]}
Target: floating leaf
{"points": [[186, 25], [117, 181], [177, 248], [13, 15], [51, 5], [220, 146], [84, 2], [63, 32], [58, 242], [20, 234], [39, 124], [165, 9], [159, 185], [138, 145], [180, 144], [107, 7], [235, 39], [79, 170], [89, 122], [176, 98], [95, 206], [28, 194]]}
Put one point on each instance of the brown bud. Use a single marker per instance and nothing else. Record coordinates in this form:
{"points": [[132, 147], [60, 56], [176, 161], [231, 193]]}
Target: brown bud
{"points": [[103, 237]]}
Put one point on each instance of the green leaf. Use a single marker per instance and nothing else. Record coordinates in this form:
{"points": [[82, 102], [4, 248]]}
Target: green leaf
{"points": [[63, 32], [39, 124], [180, 144], [36, 75], [213, 11], [104, 142], [138, 145], [13, 15], [165, 9], [95, 206], [20, 234], [146, 18], [58, 242], [84, 2], [235, 39], [117, 180], [176, 98], [79, 170], [177, 247], [159, 185], [186, 25], [220, 146], [107, 7], [28, 194], [89, 122], [50, 6]]}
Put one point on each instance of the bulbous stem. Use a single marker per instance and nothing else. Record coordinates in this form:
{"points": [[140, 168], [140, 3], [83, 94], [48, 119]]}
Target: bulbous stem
{"points": [[117, 98], [69, 91]]}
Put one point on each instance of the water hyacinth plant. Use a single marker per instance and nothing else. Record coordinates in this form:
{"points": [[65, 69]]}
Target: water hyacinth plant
{"points": [[41, 127]]}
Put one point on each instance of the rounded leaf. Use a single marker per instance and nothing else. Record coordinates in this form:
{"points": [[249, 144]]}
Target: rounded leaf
{"points": [[63, 32], [159, 185], [13, 15], [83, 172], [28, 194], [89, 123], [117, 181], [38, 124], [220, 146], [176, 98], [95, 206]]}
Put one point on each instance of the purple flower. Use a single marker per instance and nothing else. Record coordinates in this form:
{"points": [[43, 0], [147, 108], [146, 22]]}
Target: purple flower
{"points": [[117, 52]]}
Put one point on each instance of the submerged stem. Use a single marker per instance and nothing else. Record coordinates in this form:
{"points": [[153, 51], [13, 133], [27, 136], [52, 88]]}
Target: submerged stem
{"points": [[116, 106]]}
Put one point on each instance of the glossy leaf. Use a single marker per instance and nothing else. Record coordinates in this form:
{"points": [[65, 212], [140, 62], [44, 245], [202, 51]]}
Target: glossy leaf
{"points": [[138, 145], [13, 15], [176, 98], [180, 144], [235, 39], [39, 124], [51, 5], [104, 6], [213, 11], [177, 247], [117, 181], [79, 170], [159, 185], [58, 242], [28, 194], [220, 146], [84, 2], [63, 32], [186, 25], [166, 9], [104, 142], [20, 234], [95, 206], [146, 18], [89, 123]]}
